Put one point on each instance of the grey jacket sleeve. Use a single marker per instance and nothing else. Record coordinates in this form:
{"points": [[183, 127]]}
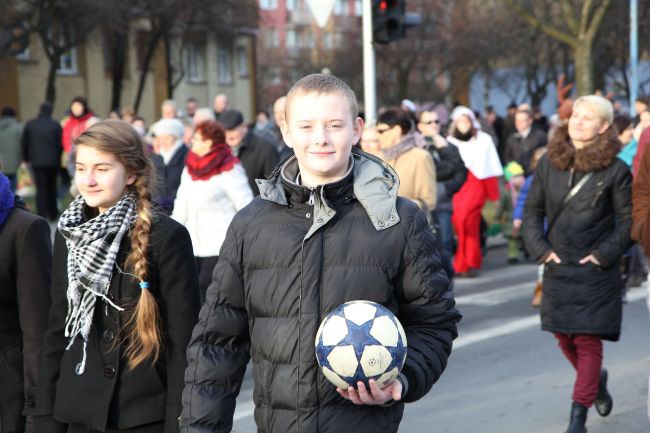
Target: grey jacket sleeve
{"points": [[427, 310], [219, 348]]}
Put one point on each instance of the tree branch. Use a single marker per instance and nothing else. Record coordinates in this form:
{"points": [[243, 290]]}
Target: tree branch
{"points": [[599, 14], [534, 22], [584, 17], [569, 16]]}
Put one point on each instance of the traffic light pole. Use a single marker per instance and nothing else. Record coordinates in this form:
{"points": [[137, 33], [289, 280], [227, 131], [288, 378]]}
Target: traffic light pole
{"points": [[369, 77]]}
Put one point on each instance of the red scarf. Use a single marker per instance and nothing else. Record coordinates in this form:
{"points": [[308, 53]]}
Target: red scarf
{"points": [[217, 160]]}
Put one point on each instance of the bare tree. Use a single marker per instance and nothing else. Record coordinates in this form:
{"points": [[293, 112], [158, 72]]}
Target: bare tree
{"points": [[579, 31]]}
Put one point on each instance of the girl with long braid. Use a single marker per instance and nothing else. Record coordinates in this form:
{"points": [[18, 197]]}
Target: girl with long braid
{"points": [[124, 298]]}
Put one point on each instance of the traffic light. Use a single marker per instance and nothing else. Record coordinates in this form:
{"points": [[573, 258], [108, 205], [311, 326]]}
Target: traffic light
{"points": [[390, 20], [387, 20]]}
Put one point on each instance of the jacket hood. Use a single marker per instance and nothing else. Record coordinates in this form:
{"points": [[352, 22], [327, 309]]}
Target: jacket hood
{"points": [[596, 156], [374, 184]]}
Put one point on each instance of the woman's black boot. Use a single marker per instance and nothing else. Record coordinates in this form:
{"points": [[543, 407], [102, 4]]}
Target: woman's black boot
{"points": [[604, 400], [578, 419]]}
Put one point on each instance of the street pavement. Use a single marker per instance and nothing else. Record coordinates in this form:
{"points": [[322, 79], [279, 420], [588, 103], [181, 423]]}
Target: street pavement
{"points": [[505, 375]]}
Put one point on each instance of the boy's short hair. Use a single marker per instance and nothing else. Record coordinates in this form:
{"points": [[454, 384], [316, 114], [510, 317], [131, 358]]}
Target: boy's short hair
{"points": [[321, 83]]}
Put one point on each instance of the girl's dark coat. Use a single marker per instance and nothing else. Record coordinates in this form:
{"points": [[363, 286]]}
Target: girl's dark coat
{"points": [[108, 394]]}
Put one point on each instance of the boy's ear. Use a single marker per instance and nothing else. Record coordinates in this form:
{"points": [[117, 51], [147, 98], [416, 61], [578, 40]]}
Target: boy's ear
{"points": [[284, 128], [358, 130]]}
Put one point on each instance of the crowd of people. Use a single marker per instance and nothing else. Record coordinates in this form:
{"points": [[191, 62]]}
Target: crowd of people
{"points": [[265, 227]]}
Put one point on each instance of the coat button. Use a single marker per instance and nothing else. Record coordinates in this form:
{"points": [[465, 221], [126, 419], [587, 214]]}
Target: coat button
{"points": [[392, 217], [381, 223], [30, 401], [108, 336], [320, 221], [308, 215], [109, 372]]}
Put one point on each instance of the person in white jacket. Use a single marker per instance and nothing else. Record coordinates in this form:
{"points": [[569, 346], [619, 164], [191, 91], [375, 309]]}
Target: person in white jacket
{"points": [[214, 186]]}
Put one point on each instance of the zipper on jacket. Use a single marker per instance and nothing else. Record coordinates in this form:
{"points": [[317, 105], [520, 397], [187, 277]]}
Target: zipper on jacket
{"points": [[312, 193]]}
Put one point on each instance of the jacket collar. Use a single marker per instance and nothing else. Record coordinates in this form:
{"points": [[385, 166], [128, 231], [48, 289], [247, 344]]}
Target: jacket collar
{"points": [[374, 184], [596, 156]]}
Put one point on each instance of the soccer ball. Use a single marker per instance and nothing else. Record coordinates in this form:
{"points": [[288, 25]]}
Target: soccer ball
{"points": [[359, 341]]}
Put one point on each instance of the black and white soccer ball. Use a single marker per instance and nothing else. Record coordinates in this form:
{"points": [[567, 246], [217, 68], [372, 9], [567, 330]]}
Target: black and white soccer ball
{"points": [[359, 341]]}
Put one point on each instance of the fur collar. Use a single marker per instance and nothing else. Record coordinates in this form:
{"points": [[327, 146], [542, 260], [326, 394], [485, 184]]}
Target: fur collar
{"points": [[594, 157]]}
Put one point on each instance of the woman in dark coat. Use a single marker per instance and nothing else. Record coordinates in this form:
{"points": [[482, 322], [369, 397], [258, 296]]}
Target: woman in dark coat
{"points": [[582, 302], [124, 298], [25, 275]]}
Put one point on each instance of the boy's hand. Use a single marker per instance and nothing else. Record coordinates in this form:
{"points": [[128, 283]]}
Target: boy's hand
{"points": [[376, 396]]}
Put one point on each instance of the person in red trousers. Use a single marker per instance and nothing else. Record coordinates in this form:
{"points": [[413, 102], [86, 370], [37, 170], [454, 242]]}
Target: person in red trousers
{"points": [[483, 171]]}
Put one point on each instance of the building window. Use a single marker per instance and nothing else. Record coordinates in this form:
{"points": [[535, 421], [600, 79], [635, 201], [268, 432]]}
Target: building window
{"points": [[358, 8], [292, 39], [268, 4], [242, 61], [339, 40], [224, 65], [307, 39], [340, 7], [68, 63], [291, 4], [327, 40], [273, 75], [271, 38], [194, 63]]}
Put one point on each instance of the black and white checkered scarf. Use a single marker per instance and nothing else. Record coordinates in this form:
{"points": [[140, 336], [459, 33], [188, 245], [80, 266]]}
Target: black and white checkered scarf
{"points": [[92, 249]]}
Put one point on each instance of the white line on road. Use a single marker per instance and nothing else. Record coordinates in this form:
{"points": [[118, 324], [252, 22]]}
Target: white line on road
{"points": [[497, 296], [246, 408]]}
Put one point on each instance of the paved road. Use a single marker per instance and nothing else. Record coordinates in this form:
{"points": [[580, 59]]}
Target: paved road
{"points": [[507, 376]]}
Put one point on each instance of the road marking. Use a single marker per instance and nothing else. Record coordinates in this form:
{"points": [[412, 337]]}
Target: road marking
{"points": [[245, 409], [521, 324], [495, 275], [497, 296]]}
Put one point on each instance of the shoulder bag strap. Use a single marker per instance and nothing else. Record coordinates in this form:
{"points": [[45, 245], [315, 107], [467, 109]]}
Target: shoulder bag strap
{"points": [[577, 187]]}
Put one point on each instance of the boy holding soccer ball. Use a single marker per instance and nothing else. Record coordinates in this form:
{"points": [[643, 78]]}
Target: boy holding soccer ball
{"points": [[327, 228]]}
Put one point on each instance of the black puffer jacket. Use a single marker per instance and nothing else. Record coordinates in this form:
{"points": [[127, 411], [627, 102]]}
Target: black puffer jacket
{"points": [[581, 299], [283, 266]]}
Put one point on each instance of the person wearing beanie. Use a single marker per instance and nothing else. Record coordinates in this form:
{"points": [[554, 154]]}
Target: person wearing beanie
{"points": [[169, 160], [483, 171]]}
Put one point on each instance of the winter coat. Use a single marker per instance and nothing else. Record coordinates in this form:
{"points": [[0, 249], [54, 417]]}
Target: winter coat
{"points": [[450, 174], [25, 276], [168, 178], [258, 157], [641, 204], [417, 177], [10, 151], [41, 142], [206, 207], [521, 150], [581, 299], [73, 127], [109, 395], [283, 266]]}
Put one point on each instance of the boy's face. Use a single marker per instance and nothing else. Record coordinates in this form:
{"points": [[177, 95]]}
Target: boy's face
{"points": [[321, 131]]}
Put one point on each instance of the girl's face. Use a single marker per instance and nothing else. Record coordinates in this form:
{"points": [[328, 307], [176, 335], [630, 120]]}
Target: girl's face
{"points": [[77, 109], [463, 124], [101, 179]]}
